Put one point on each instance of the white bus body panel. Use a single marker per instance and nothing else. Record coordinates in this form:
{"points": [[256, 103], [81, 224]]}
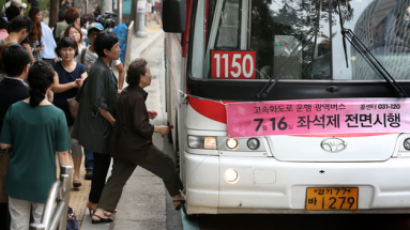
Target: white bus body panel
{"points": [[271, 185]]}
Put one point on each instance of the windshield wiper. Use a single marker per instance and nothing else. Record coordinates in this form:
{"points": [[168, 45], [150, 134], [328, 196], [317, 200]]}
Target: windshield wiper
{"points": [[263, 93], [361, 48], [342, 28]]}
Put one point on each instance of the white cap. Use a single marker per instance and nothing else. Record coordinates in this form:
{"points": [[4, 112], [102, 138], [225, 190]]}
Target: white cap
{"points": [[17, 3]]}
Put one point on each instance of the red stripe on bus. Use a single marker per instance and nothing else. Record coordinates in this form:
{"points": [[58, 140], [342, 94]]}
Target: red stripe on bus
{"points": [[185, 41], [213, 110], [206, 21]]}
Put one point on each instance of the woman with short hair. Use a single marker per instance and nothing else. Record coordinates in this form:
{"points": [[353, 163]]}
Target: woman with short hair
{"points": [[132, 145], [96, 113], [69, 78]]}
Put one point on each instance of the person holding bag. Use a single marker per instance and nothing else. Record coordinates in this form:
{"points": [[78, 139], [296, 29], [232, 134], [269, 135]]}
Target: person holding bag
{"points": [[71, 75]]}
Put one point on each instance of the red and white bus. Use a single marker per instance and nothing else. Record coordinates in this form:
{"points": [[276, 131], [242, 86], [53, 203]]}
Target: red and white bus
{"points": [[290, 106]]}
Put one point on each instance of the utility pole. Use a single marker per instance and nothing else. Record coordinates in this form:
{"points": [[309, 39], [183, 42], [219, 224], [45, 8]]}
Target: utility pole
{"points": [[107, 6], [54, 7], [133, 15], [83, 6], [141, 8]]}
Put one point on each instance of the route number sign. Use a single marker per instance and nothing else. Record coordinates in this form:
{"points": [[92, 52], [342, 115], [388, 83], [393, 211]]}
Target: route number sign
{"points": [[233, 64]]}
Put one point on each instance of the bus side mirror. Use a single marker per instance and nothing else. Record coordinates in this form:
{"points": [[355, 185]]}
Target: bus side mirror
{"points": [[174, 15]]}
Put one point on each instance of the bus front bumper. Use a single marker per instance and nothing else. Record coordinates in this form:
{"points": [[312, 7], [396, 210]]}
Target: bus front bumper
{"points": [[266, 185]]}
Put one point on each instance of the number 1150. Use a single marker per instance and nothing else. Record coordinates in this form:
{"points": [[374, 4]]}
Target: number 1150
{"points": [[233, 64]]}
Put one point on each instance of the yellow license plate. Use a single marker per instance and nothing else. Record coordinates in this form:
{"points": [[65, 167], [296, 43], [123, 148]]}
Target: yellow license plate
{"points": [[331, 198]]}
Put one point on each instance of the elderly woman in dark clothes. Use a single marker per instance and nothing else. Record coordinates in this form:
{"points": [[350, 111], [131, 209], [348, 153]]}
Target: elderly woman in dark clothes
{"points": [[131, 143], [98, 99]]}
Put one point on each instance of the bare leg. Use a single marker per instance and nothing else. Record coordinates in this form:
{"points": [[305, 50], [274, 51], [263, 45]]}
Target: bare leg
{"points": [[77, 166]]}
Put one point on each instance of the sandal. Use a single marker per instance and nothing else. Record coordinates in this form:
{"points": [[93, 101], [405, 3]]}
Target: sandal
{"points": [[95, 219], [76, 184], [109, 214]]}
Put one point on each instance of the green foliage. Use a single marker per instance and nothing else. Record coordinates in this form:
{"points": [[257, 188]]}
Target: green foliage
{"points": [[44, 5]]}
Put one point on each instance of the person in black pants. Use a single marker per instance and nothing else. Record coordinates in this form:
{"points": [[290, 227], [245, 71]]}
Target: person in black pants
{"points": [[96, 112], [132, 146]]}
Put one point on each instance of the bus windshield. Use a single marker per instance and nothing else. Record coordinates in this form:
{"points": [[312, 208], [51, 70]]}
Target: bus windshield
{"points": [[299, 39]]}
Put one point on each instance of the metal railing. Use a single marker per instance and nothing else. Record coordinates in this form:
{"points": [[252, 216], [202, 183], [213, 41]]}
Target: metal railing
{"points": [[55, 210]]}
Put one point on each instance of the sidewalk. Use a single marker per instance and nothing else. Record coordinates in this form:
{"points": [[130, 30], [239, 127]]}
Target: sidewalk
{"points": [[143, 190]]}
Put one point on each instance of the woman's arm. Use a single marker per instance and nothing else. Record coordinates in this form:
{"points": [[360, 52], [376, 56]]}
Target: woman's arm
{"points": [[5, 146], [64, 158], [107, 115], [121, 75], [80, 81], [28, 49], [84, 75], [59, 88], [161, 129]]}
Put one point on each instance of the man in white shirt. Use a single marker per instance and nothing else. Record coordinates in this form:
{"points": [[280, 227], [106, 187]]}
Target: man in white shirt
{"points": [[48, 53]]}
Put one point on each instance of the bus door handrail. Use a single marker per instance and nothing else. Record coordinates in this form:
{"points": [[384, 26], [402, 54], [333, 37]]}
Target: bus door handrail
{"points": [[55, 210]]}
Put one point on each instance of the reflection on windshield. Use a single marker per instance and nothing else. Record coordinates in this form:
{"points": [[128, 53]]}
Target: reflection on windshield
{"points": [[384, 27], [290, 49]]}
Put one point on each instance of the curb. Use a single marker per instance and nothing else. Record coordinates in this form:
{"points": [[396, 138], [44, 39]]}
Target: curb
{"points": [[146, 43]]}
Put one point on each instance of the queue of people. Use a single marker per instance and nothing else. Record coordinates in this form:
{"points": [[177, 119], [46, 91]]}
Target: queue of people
{"points": [[40, 78]]}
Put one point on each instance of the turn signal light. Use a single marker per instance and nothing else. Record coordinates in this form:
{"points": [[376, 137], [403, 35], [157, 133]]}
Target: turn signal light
{"points": [[209, 143]]}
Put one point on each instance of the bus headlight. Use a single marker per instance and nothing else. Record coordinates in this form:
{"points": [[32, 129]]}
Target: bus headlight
{"points": [[195, 142], [253, 144], [231, 176], [232, 143], [198, 142]]}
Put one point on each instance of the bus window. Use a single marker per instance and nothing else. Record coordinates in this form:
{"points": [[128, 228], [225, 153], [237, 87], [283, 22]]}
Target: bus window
{"points": [[384, 29], [301, 40], [228, 33]]}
